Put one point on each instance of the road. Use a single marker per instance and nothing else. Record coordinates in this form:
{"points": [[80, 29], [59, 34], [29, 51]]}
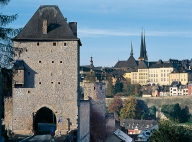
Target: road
{"points": [[45, 138], [40, 138]]}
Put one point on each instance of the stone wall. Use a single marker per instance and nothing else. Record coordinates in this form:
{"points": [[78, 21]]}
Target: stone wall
{"points": [[110, 124], [95, 92], [50, 80], [7, 121], [84, 121]]}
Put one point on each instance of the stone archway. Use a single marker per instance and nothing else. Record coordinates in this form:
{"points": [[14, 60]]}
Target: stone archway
{"points": [[44, 121]]}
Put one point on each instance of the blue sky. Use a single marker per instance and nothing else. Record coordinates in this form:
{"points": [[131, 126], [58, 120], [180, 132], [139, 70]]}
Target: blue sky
{"points": [[106, 28]]}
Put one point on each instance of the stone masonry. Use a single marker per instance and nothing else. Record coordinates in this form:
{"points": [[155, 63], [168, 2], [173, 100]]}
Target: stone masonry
{"points": [[95, 92], [52, 85], [51, 68]]}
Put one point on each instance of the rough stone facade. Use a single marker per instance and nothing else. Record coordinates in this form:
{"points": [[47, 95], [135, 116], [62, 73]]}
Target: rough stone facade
{"points": [[50, 80], [49, 51], [84, 121], [95, 92], [8, 106], [110, 124]]}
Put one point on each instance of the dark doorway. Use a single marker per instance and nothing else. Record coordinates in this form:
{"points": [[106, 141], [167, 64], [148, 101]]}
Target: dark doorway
{"points": [[44, 121]]}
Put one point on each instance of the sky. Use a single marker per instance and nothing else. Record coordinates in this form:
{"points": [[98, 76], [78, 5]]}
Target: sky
{"points": [[106, 28]]}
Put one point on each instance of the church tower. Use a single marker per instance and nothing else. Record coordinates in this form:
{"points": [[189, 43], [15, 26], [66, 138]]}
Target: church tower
{"points": [[143, 51]]}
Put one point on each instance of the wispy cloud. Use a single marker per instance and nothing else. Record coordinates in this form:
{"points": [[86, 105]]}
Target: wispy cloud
{"points": [[86, 32]]}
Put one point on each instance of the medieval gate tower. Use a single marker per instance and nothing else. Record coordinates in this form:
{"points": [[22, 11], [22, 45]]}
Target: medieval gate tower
{"points": [[47, 72]]}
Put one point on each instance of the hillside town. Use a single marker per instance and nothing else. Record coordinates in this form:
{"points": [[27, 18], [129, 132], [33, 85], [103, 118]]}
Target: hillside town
{"points": [[52, 97]]}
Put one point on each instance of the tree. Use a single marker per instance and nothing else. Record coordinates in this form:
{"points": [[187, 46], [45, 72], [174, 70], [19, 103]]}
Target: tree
{"points": [[6, 46], [115, 106], [171, 132], [110, 87], [184, 115], [131, 109], [175, 113], [90, 77], [130, 89], [118, 86], [150, 114]]}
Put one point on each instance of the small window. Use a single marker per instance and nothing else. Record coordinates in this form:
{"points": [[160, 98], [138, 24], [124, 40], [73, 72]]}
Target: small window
{"points": [[65, 44], [37, 43], [39, 82], [54, 43], [39, 61], [58, 82], [28, 73], [52, 61], [26, 50], [51, 82], [29, 92], [61, 62]]}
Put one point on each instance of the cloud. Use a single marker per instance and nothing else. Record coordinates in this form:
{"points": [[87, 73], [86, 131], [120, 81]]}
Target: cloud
{"points": [[86, 32]]}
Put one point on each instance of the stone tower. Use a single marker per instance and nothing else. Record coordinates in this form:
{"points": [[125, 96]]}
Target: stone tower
{"points": [[95, 92], [50, 72]]}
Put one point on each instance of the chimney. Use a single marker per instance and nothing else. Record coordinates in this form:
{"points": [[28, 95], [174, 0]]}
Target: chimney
{"points": [[44, 27], [73, 26]]}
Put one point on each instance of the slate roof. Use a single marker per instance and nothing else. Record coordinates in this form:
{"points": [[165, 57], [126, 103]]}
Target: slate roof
{"points": [[175, 83], [140, 124], [120, 134], [58, 28], [118, 72], [161, 65], [131, 62], [120, 64], [18, 65], [143, 65]]}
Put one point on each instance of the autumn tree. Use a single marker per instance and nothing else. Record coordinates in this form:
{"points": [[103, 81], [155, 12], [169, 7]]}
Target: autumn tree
{"points": [[171, 132], [115, 106], [110, 87], [131, 109]]}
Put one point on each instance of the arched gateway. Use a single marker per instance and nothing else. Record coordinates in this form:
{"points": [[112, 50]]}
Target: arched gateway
{"points": [[44, 121]]}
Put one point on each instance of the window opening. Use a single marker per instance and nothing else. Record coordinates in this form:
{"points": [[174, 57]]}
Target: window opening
{"points": [[54, 43]]}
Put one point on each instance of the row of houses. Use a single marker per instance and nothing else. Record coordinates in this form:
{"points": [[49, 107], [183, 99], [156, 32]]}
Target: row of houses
{"points": [[175, 89]]}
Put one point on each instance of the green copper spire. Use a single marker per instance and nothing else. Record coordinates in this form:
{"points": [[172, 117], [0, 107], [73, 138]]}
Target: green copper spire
{"points": [[131, 54]]}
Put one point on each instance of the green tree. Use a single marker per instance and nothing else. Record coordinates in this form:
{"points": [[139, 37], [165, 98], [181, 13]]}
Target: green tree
{"points": [[175, 113], [115, 106], [171, 132], [150, 114], [90, 77], [110, 87], [130, 89], [6, 46], [131, 109], [184, 115], [118, 86]]}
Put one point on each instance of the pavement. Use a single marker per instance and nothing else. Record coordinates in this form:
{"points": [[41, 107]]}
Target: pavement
{"points": [[36, 138]]}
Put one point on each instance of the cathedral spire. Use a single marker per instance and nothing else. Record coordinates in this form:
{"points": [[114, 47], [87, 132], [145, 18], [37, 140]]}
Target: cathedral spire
{"points": [[131, 54], [143, 51], [144, 48], [141, 47]]}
